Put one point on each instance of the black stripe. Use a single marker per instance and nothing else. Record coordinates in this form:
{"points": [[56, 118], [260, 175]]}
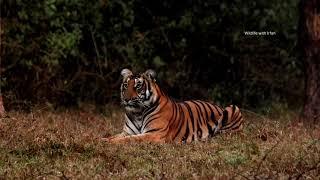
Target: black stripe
{"points": [[149, 121], [236, 127], [187, 121], [205, 111], [180, 120], [233, 123], [206, 121], [213, 117], [175, 112], [190, 113], [168, 125], [200, 115], [170, 120], [130, 128], [133, 124], [237, 114], [191, 118], [225, 118], [151, 109], [174, 115], [233, 108], [216, 107], [198, 110], [152, 130], [199, 119], [195, 125], [144, 125]]}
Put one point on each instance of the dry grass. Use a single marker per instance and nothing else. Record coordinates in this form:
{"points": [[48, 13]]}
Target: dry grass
{"points": [[64, 145]]}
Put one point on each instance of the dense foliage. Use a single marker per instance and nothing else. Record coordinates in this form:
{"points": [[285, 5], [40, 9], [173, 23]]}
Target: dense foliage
{"points": [[68, 51]]}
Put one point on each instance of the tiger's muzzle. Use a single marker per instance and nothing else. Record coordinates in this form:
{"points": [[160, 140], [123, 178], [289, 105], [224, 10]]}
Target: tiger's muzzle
{"points": [[133, 102]]}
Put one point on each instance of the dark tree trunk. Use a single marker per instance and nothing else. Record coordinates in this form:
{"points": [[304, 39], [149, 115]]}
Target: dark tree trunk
{"points": [[309, 43]]}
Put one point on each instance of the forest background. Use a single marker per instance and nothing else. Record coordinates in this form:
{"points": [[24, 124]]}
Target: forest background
{"points": [[66, 52]]}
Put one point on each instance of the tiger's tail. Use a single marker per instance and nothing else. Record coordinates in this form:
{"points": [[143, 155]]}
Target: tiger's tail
{"points": [[232, 120]]}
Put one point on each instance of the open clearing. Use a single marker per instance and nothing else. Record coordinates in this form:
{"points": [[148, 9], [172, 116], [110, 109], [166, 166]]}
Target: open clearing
{"points": [[54, 145]]}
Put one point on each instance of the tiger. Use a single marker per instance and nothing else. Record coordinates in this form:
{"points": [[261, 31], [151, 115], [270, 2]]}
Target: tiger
{"points": [[152, 116]]}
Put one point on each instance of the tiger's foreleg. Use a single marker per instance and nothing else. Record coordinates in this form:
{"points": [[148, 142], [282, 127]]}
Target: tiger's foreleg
{"points": [[149, 137]]}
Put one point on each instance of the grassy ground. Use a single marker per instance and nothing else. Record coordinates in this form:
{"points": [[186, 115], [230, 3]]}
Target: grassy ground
{"points": [[54, 145]]}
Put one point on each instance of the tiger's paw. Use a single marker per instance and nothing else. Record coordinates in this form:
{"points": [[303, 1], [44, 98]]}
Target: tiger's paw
{"points": [[112, 139], [107, 139]]}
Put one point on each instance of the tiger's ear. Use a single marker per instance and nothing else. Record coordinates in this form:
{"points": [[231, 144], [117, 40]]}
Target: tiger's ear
{"points": [[151, 74], [126, 72]]}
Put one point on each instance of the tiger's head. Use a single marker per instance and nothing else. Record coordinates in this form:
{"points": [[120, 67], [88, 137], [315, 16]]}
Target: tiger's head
{"points": [[138, 91]]}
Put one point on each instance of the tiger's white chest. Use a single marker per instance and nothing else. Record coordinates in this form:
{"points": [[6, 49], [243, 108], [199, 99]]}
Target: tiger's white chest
{"points": [[133, 125]]}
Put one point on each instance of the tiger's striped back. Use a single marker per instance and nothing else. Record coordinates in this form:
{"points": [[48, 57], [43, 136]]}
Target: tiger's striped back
{"points": [[199, 120]]}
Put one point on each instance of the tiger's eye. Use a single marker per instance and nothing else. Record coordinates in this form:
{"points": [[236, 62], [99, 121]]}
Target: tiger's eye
{"points": [[125, 85], [139, 86]]}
